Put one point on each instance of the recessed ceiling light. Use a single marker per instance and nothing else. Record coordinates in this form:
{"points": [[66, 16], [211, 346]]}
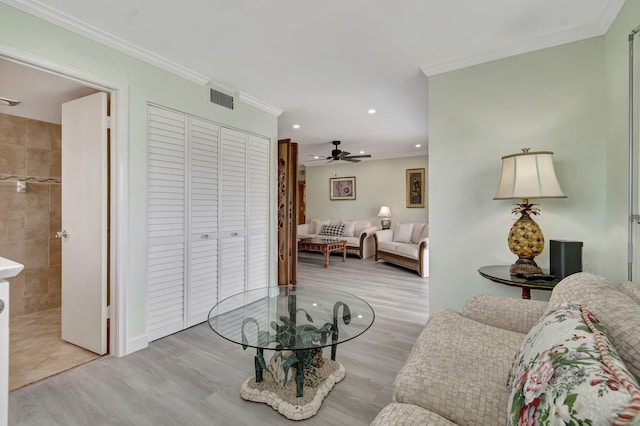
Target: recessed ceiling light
{"points": [[372, 111], [418, 145], [361, 152], [296, 126], [315, 157]]}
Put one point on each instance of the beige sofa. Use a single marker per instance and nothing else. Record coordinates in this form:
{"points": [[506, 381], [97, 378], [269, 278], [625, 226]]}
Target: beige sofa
{"points": [[461, 364], [407, 244], [357, 233]]}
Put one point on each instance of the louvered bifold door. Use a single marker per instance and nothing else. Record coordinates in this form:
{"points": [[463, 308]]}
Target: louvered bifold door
{"points": [[202, 286], [258, 224], [166, 237], [233, 212]]}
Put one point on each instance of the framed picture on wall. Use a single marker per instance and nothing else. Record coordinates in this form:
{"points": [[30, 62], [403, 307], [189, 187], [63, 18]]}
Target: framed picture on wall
{"points": [[342, 188], [415, 188]]}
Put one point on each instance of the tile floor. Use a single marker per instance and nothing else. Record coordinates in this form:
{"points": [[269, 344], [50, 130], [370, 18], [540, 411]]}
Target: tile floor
{"points": [[36, 350]]}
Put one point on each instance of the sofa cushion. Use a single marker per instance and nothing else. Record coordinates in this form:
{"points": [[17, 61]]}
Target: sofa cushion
{"points": [[618, 314], [418, 228], [567, 372], [458, 369], [396, 414], [405, 249], [631, 289], [352, 241], [402, 233], [332, 230], [349, 227], [316, 225]]}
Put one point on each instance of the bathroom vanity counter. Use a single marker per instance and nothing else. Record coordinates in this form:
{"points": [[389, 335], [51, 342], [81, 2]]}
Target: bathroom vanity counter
{"points": [[9, 268]]}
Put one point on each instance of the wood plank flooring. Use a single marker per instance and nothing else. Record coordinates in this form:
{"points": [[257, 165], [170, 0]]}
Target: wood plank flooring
{"points": [[193, 377]]}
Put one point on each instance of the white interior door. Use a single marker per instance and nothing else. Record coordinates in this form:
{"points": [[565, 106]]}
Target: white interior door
{"points": [[84, 222]]}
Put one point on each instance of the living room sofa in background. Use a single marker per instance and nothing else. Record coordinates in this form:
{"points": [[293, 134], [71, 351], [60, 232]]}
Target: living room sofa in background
{"points": [[515, 361], [357, 233], [407, 244]]}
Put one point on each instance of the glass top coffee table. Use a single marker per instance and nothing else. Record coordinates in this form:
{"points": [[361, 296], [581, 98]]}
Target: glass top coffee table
{"points": [[297, 320]]}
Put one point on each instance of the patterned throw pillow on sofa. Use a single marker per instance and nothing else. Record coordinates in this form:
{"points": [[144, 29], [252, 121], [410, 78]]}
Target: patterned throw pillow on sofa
{"points": [[567, 372], [332, 230]]}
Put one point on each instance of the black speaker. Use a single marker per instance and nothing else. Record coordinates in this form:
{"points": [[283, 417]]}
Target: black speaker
{"points": [[565, 258]]}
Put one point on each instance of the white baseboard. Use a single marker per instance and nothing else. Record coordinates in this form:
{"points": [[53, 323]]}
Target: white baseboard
{"points": [[136, 344]]}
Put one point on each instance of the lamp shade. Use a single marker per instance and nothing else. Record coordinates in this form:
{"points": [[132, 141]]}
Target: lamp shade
{"points": [[528, 175], [384, 212]]}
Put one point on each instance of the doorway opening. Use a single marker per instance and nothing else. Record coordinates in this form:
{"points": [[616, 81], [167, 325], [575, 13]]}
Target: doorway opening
{"points": [[32, 137]]}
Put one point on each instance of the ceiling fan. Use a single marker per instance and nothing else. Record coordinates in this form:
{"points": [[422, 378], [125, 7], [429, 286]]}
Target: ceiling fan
{"points": [[337, 154]]}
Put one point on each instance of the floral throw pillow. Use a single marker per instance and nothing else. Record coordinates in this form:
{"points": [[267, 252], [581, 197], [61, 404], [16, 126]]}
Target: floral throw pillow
{"points": [[567, 372]]}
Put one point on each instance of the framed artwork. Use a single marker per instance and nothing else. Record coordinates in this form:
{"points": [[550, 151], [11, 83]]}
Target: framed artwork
{"points": [[342, 188], [415, 188]]}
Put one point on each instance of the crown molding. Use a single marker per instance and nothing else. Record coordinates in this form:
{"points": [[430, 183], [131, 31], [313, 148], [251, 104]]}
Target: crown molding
{"points": [[550, 40], [70, 23], [255, 102], [609, 14]]}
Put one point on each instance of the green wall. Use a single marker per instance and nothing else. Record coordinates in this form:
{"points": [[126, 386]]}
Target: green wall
{"points": [[617, 83], [378, 182], [553, 99], [146, 83]]}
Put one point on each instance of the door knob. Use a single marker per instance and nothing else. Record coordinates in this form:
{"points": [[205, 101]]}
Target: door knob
{"points": [[62, 234], [1, 305]]}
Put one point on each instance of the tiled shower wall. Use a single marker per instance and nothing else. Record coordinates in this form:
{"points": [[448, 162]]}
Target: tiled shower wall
{"points": [[29, 220]]}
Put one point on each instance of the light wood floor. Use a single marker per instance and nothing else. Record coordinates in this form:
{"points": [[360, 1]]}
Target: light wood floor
{"points": [[37, 351], [193, 377]]}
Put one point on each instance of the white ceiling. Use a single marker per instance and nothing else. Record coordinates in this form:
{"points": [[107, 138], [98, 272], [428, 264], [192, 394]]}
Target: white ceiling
{"points": [[326, 63]]}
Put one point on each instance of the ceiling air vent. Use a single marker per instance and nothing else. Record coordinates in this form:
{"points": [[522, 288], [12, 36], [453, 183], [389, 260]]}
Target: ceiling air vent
{"points": [[221, 99]]}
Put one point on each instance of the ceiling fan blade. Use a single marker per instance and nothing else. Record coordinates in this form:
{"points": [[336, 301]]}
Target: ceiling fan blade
{"points": [[343, 154], [350, 159], [361, 156]]}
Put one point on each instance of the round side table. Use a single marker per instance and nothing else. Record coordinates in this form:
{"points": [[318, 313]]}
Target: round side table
{"points": [[500, 274]]}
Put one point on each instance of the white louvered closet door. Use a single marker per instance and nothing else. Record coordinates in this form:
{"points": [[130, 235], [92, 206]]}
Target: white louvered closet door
{"points": [[202, 285], [166, 243], [258, 223], [233, 212]]}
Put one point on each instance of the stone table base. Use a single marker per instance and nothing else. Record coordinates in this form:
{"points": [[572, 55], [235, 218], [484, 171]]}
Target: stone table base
{"points": [[289, 408]]}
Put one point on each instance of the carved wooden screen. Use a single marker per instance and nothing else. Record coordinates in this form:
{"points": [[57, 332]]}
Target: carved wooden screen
{"points": [[287, 212]]}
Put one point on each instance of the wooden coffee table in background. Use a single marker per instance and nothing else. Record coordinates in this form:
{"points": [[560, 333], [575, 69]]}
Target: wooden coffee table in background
{"points": [[325, 246]]}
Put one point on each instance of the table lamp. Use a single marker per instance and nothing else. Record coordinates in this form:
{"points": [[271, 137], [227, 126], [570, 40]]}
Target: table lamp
{"points": [[525, 176], [385, 213]]}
